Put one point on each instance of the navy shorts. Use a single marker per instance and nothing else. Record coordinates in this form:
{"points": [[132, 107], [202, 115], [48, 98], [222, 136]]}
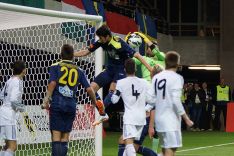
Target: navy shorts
{"points": [[60, 120], [109, 75], [144, 133]]}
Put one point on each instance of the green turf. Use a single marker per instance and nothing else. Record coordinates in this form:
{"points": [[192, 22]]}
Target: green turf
{"points": [[191, 140]]}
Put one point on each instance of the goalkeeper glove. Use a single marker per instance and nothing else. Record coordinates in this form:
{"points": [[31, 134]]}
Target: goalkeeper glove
{"points": [[100, 107], [143, 36], [127, 36], [17, 106]]}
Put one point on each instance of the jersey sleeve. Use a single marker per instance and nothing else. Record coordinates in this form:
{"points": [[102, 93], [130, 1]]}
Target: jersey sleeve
{"points": [[16, 93], [160, 56], [137, 62], [83, 80], [94, 46], [125, 47], [53, 73], [176, 96]]}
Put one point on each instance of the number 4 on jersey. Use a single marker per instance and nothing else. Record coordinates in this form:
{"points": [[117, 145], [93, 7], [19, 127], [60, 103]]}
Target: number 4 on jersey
{"points": [[134, 92]]}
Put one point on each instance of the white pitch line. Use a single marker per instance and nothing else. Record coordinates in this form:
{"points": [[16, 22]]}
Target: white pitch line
{"points": [[198, 148]]}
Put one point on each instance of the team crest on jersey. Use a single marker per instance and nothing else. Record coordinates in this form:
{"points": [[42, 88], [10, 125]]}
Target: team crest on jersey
{"points": [[65, 91]]}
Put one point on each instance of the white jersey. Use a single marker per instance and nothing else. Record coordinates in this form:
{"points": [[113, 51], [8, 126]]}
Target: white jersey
{"points": [[167, 90], [133, 92], [12, 92]]}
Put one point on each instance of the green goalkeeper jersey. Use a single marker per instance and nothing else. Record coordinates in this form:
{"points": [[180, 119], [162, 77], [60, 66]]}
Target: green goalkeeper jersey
{"points": [[158, 59]]}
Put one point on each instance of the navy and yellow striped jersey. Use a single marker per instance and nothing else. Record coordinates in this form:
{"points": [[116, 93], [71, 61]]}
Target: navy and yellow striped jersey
{"points": [[67, 76], [117, 50]]}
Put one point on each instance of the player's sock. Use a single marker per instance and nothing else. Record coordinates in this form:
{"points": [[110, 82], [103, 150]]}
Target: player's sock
{"points": [[56, 148], [130, 150], [9, 152], [97, 96], [107, 100], [100, 107], [121, 149], [64, 148], [146, 151]]}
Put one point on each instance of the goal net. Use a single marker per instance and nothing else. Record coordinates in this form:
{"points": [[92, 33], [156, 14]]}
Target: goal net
{"points": [[36, 37]]}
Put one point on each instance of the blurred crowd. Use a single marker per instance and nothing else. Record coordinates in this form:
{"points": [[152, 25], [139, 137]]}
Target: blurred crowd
{"points": [[206, 106]]}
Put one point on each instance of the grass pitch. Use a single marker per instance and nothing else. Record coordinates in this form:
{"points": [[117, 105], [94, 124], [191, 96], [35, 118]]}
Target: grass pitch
{"points": [[194, 144]]}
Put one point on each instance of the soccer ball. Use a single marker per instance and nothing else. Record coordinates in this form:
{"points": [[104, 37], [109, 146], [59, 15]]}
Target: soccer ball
{"points": [[134, 40]]}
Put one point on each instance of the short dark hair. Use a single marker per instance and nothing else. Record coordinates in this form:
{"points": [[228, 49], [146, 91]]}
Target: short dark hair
{"points": [[130, 66], [103, 31], [18, 67], [67, 52], [172, 59]]}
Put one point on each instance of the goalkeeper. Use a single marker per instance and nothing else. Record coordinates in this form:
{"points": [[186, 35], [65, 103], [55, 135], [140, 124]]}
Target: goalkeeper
{"points": [[11, 95], [153, 56]]}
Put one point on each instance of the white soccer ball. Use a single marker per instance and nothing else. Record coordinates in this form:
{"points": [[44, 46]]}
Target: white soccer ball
{"points": [[134, 40]]}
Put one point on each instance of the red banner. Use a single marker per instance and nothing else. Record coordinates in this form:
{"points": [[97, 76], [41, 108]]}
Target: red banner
{"points": [[120, 24], [230, 117]]}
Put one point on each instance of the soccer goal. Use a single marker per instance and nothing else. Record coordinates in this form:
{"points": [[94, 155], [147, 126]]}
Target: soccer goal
{"points": [[36, 36]]}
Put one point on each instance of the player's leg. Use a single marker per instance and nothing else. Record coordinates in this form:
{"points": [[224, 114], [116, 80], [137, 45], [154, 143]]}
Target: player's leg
{"points": [[140, 149], [67, 122], [101, 80], [169, 151], [129, 133], [2, 135], [129, 147], [217, 117], [170, 141], [107, 100], [56, 142], [95, 87], [121, 146], [118, 74], [11, 147], [11, 143], [224, 109], [57, 125], [64, 143]]}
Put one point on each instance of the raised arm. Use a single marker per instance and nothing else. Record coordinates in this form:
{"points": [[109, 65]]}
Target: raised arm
{"points": [[142, 60], [153, 46], [81, 53], [89, 50]]}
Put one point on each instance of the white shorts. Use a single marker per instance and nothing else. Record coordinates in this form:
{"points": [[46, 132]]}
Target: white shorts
{"points": [[132, 131], [8, 132], [171, 139]]}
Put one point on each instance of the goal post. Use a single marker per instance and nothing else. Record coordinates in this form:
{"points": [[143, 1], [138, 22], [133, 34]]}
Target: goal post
{"points": [[36, 36]]}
